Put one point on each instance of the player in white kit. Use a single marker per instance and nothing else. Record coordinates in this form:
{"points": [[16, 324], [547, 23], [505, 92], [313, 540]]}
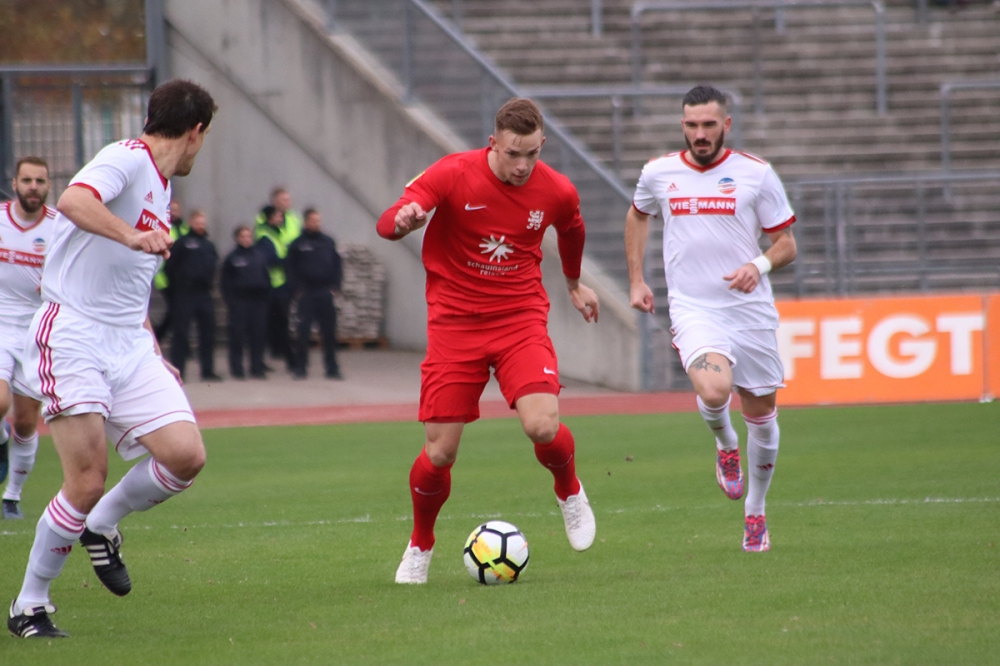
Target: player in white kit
{"points": [[93, 358], [715, 204], [25, 232]]}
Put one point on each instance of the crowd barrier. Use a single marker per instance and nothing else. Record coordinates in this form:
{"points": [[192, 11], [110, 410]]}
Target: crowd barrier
{"points": [[893, 349]]}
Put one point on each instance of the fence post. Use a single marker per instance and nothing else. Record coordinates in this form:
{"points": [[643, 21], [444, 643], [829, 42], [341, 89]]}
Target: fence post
{"points": [[407, 52], [841, 227], [596, 18], [6, 129], [922, 235], [457, 13], [881, 102], [797, 266], [758, 73], [156, 43], [76, 97], [331, 15], [616, 134], [636, 39]]}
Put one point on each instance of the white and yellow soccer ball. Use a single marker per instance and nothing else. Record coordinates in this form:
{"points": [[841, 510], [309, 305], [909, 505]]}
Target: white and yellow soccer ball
{"points": [[496, 552]]}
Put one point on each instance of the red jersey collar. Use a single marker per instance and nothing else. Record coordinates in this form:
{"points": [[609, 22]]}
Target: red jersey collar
{"points": [[16, 223], [702, 169]]}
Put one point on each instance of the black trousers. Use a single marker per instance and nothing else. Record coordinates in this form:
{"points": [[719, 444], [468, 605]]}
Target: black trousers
{"points": [[247, 328], [196, 305], [316, 304], [278, 340]]}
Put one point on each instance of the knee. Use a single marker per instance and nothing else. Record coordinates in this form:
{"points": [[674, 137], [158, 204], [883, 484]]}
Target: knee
{"points": [[541, 429], [440, 458], [187, 460], [714, 396], [25, 425], [84, 490]]}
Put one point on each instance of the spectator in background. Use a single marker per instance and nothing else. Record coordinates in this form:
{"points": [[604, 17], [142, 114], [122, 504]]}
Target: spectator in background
{"points": [[245, 288], [191, 271], [314, 273], [291, 222], [273, 240], [178, 228]]}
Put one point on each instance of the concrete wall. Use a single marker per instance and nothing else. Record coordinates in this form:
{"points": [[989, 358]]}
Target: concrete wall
{"points": [[317, 114]]}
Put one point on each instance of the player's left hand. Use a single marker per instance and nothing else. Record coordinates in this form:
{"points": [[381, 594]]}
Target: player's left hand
{"points": [[585, 300], [744, 279], [173, 371]]}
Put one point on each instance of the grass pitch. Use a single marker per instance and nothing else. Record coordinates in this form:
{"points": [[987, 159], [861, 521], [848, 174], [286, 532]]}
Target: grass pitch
{"points": [[885, 533]]}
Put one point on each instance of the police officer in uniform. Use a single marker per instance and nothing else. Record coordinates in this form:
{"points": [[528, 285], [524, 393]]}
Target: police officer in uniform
{"points": [[315, 272], [191, 271], [246, 284], [274, 235]]}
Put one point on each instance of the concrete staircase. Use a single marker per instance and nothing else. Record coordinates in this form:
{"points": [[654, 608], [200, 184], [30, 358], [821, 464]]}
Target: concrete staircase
{"points": [[818, 97]]}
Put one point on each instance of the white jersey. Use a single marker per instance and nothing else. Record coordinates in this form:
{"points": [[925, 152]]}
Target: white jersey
{"points": [[97, 277], [713, 217], [23, 244]]}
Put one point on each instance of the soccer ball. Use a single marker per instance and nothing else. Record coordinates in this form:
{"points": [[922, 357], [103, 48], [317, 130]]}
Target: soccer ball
{"points": [[496, 552]]}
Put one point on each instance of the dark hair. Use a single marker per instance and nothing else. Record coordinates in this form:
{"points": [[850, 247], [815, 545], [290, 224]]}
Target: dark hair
{"points": [[307, 212], [30, 159], [267, 211], [238, 230], [176, 107], [703, 95], [521, 116]]}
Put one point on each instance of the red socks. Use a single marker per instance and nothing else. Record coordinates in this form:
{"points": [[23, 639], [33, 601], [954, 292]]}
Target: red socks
{"points": [[558, 456], [429, 489]]}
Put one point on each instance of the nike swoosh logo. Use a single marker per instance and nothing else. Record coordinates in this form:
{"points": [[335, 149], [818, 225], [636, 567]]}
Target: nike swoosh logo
{"points": [[471, 207], [547, 371]]}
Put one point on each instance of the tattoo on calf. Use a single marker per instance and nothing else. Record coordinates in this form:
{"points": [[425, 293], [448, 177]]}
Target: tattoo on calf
{"points": [[701, 363]]}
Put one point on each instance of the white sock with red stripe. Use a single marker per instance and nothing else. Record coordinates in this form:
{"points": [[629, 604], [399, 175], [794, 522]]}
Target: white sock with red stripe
{"points": [[58, 529], [147, 484], [22, 461], [718, 420], [762, 452]]}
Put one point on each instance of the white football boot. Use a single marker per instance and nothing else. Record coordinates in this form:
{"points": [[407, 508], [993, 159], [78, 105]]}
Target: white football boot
{"points": [[414, 567], [579, 519]]}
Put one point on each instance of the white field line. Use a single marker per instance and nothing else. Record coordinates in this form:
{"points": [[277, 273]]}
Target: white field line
{"points": [[367, 518]]}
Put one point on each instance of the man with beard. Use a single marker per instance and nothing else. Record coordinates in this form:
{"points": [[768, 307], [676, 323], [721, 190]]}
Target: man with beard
{"points": [[25, 228], [715, 204], [94, 360]]}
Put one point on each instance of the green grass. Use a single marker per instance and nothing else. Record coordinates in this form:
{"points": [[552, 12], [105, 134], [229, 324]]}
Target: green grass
{"points": [[885, 532]]}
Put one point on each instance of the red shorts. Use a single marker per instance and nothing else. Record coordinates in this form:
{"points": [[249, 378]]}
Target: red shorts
{"points": [[459, 358]]}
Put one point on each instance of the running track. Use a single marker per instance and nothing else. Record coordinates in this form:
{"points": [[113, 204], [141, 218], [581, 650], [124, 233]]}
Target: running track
{"points": [[581, 405]]}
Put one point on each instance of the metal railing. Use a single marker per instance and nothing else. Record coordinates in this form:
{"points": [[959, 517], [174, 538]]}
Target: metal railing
{"points": [[596, 15], [65, 113], [617, 96], [946, 89], [644, 6]]}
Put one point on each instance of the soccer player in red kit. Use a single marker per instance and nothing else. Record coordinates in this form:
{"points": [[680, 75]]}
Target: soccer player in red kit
{"points": [[487, 309]]}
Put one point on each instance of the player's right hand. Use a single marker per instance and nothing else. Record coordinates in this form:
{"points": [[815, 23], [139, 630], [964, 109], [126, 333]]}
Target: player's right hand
{"points": [[152, 242], [641, 298], [410, 217]]}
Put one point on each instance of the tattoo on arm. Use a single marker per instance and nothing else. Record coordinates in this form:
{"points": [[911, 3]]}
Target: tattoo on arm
{"points": [[701, 363]]}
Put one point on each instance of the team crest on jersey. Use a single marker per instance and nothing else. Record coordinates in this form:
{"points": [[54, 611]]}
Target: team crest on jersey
{"points": [[535, 218], [498, 249], [727, 185], [38, 245], [703, 206]]}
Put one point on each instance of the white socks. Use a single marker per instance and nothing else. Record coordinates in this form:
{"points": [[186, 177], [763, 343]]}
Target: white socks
{"points": [[147, 484], [718, 420], [762, 452], [58, 529], [22, 460]]}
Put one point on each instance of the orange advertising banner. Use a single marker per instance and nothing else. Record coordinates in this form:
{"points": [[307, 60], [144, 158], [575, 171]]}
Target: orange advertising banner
{"points": [[900, 349]]}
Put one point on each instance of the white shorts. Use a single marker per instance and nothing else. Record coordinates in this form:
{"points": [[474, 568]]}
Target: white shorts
{"points": [[753, 353], [80, 366], [12, 339]]}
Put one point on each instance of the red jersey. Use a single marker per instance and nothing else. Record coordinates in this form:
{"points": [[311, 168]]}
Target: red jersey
{"points": [[482, 249]]}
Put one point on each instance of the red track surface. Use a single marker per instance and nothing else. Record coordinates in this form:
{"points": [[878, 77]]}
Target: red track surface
{"points": [[581, 405]]}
